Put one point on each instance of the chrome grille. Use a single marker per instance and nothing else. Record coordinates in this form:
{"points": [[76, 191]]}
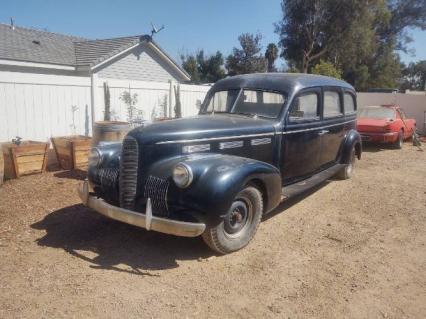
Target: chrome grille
{"points": [[108, 178], [156, 189], [128, 172], [106, 181]]}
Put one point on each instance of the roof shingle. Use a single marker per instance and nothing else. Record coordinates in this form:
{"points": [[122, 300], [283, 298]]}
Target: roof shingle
{"points": [[31, 45], [94, 51]]}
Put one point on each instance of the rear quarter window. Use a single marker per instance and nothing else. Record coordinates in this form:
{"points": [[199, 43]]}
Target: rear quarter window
{"points": [[349, 101]]}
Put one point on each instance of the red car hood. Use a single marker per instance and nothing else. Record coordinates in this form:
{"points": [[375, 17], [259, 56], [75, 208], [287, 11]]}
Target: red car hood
{"points": [[372, 125]]}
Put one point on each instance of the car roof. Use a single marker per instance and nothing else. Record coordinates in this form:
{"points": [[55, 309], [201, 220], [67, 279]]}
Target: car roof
{"points": [[281, 82]]}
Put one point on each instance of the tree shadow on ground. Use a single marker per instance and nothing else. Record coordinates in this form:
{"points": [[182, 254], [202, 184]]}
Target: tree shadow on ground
{"points": [[72, 174], [107, 244], [370, 147], [374, 148]]}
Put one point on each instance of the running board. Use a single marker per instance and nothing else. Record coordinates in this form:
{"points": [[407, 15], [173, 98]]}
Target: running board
{"points": [[302, 186]]}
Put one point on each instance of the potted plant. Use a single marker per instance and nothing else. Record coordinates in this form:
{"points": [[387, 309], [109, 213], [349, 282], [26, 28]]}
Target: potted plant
{"points": [[24, 157], [107, 130]]}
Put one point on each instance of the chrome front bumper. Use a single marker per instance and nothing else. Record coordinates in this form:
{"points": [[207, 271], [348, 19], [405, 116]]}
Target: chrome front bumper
{"points": [[147, 220]]}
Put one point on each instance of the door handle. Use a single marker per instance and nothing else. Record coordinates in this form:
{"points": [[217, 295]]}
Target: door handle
{"points": [[323, 132]]}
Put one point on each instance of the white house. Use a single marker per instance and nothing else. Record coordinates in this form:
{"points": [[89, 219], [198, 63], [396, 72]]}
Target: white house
{"points": [[51, 84]]}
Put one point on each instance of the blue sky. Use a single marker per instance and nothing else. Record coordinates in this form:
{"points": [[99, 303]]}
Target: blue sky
{"points": [[189, 24]]}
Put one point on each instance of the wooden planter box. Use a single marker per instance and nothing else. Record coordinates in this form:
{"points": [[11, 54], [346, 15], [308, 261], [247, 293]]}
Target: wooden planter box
{"points": [[29, 157], [72, 152]]}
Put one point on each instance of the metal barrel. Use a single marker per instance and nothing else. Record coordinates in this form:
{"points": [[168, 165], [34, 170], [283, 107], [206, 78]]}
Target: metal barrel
{"points": [[109, 131]]}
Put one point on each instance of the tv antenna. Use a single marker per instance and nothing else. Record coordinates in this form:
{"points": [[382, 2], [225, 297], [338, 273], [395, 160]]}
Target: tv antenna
{"points": [[155, 30]]}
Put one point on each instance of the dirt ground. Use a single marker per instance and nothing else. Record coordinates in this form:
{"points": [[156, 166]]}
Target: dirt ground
{"points": [[348, 249]]}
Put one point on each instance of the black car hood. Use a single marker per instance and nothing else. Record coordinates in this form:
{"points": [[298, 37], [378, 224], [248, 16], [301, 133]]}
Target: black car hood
{"points": [[202, 126]]}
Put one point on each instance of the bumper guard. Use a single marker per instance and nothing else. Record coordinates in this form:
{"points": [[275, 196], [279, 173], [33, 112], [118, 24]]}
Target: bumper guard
{"points": [[147, 220]]}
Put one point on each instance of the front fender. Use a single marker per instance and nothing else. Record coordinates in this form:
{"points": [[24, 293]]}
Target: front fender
{"points": [[353, 139], [217, 180]]}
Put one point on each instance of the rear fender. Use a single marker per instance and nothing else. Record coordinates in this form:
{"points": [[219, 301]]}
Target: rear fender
{"points": [[352, 139]]}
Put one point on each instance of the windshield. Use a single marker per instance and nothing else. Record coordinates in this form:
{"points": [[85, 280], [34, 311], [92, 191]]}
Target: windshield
{"points": [[248, 102], [382, 113]]}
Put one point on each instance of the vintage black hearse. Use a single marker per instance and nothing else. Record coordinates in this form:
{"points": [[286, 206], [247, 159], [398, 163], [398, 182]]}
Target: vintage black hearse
{"points": [[258, 139]]}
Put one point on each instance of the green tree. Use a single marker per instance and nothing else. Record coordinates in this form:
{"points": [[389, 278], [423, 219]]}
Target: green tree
{"points": [[405, 14], [202, 68], [271, 54], [327, 69], [248, 59], [210, 67], [414, 76], [360, 37], [312, 29], [190, 65]]}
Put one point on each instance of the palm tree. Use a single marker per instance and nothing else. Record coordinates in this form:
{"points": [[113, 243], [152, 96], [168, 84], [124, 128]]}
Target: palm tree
{"points": [[271, 55]]}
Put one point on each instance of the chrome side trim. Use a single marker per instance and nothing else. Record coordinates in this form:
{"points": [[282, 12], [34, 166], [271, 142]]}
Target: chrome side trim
{"points": [[162, 225], [260, 141], [316, 128], [216, 138], [233, 144], [248, 135], [196, 148]]}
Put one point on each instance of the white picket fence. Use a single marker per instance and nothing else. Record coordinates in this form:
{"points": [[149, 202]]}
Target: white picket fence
{"points": [[39, 106]]}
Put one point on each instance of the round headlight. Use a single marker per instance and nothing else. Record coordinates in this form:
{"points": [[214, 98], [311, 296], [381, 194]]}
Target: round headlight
{"points": [[94, 157], [182, 175]]}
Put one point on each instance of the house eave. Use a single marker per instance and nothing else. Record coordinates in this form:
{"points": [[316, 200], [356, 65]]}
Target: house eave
{"points": [[37, 65], [169, 61], [101, 63], [166, 58]]}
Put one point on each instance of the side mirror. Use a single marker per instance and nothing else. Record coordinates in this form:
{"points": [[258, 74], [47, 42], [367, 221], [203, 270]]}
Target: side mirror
{"points": [[198, 104]]}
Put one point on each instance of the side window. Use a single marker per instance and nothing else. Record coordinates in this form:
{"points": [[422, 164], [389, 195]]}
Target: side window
{"points": [[401, 112], [332, 104], [349, 103], [305, 107]]}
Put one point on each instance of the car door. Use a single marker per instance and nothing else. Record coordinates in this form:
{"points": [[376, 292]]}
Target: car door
{"points": [[333, 126], [301, 142]]}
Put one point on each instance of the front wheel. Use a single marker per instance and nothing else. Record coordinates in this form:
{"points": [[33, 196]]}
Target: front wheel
{"points": [[239, 224], [400, 141]]}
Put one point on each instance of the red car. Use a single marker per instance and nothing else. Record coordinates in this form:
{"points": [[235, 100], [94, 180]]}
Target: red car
{"points": [[385, 124]]}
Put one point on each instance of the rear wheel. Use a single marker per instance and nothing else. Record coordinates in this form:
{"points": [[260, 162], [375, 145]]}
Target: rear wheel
{"points": [[347, 171], [239, 225], [400, 140]]}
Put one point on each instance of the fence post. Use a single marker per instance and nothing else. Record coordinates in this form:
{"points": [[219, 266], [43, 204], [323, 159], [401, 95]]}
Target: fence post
{"points": [[93, 92], [171, 98]]}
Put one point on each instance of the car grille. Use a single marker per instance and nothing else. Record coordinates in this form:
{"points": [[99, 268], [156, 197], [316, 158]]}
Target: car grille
{"points": [[128, 172], [107, 179], [156, 189]]}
